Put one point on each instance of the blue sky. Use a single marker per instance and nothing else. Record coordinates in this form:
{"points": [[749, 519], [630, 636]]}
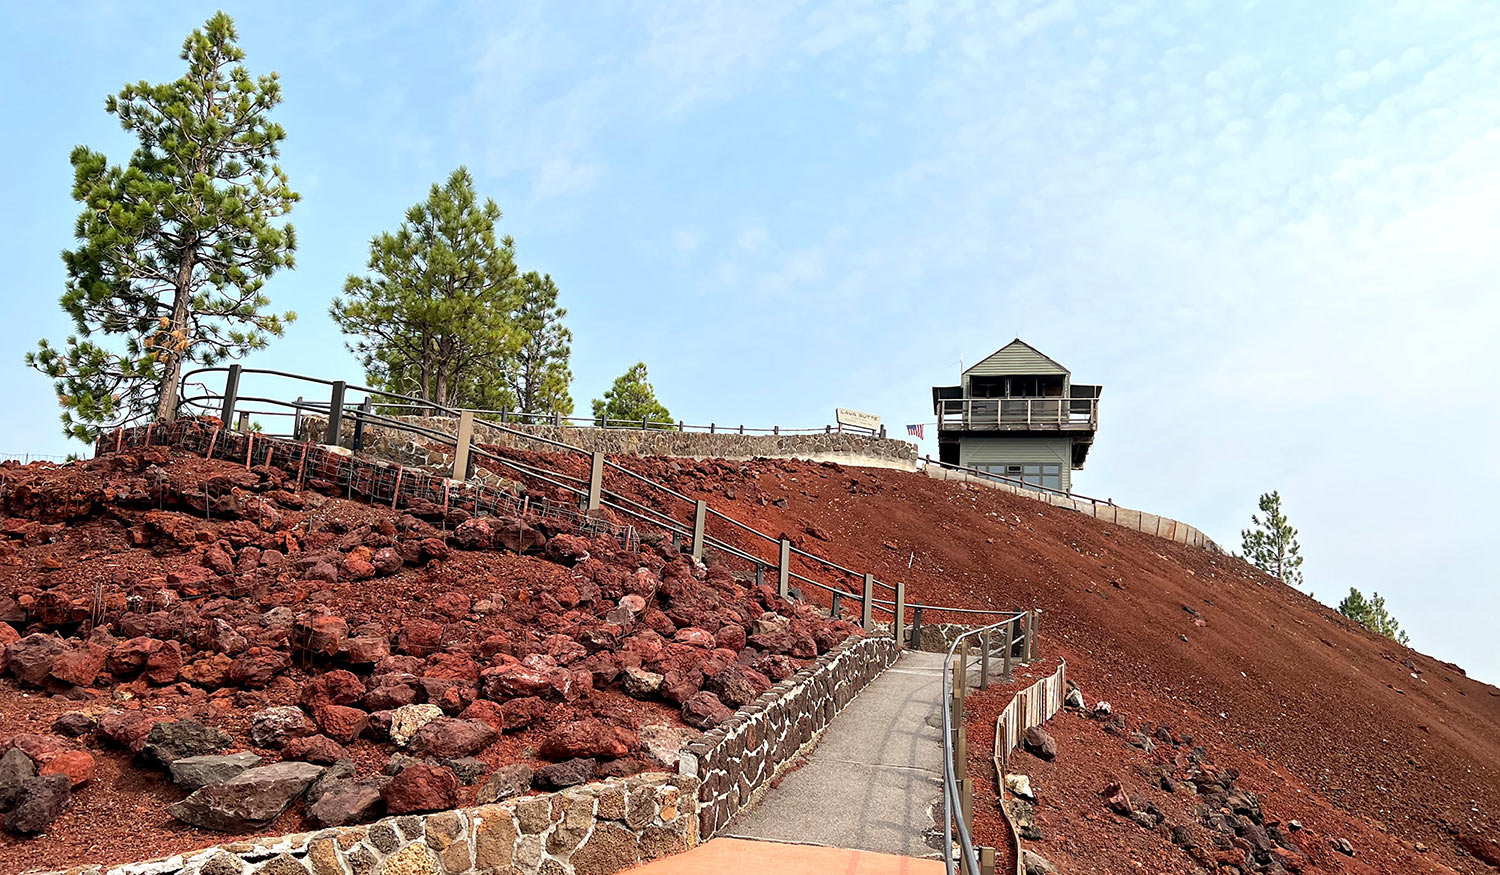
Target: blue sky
{"points": [[1267, 228]]}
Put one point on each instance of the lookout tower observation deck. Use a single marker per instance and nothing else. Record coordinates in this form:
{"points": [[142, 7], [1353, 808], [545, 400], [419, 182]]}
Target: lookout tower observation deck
{"points": [[1018, 414]]}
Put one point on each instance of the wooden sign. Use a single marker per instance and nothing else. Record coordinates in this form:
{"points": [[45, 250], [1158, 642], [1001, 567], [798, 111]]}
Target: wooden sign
{"points": [[855, 419]]}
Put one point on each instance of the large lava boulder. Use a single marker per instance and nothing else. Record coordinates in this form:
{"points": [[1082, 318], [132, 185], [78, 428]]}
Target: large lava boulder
{"points": [[249, 800]]}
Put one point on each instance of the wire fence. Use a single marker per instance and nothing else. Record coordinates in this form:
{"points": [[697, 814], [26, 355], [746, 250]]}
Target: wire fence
{"points": [[28, 458]]}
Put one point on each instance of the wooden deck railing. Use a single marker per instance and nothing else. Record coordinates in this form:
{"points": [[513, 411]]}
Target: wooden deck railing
{"points": [[1018, 414]]}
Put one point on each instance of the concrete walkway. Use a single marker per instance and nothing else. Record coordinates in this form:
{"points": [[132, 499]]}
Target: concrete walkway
{"points": [[872, 783], [724, 855]]}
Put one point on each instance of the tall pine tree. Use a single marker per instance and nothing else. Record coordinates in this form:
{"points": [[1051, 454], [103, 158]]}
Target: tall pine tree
{"points": [[176, 245], [433, 318], [631, 400], [538, 374], [1271, 543]]}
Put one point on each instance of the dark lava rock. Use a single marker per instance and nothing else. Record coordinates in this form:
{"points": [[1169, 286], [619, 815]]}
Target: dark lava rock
{"points": [[556, 776], [1038, 743], [16, 768], [508, 781], [194, 772], [170, 741], [334, 774], [468, 769], [42, 800], [313, 749], [249, 800], [74, 724], [31, 658], [348, 802]]}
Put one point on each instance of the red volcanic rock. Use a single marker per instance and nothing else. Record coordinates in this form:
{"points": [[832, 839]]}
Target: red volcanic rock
{"points": [[389, 696], [563, 649], [356, 568], [79, 665], [128, 657], [366, 649], [453, 605], [695, 637], [420, 637], [318, 749], [386, 561], [488, 712], [603, 667], [321, 572], [324, 634], [451, 738], [731, 638], [256, 666], [704, 711], [515, 681], [520, 713], [165, 664], [340, 722], [210, 672], [587, 738], [567, 549], [337, 687], [421, 787], [40, 747], [128, 729], [736, 685], [77, 765], [679, 685], [433, 548], [474, 534], [518, 537]]}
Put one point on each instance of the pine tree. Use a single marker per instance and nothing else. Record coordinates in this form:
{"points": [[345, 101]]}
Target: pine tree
{"points": [[631, 400], [1271, 543], [538, 374], [176, 245], [433, 319], [1373, 615]]}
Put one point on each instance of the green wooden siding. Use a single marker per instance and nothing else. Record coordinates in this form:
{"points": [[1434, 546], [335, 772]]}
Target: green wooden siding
{"points": [[1019, 451], [1015, 358]]}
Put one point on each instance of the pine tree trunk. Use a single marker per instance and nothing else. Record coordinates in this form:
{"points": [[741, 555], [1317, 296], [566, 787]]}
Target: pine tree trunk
{"points": [[167, 397]]}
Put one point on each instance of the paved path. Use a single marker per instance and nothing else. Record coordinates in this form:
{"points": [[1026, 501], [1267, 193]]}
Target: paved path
{"points": [[725, 855], [872, 782]]}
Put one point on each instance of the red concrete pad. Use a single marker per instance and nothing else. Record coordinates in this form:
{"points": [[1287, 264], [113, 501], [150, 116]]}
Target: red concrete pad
{"points": [[774, 858]]}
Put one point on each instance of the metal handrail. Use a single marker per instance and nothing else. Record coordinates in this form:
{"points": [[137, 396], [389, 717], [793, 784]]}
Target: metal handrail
{"points": [[952, 800]]}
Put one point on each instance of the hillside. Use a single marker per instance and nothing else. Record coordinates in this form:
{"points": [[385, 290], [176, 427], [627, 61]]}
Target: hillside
{"points": [[1334, 720], [157, 607]]}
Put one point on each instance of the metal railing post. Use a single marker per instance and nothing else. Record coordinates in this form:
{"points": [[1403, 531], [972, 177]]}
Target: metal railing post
{"points": [[867, 605], [596, 481], [297, 421], [231, 394], [700, 519], [760, 575], [916, 628], [1036, 622], [359, 423], [243, 425], [461, 449], [1026, 641], [834, 611], [898, 623], [335, 414], [784, 570]]}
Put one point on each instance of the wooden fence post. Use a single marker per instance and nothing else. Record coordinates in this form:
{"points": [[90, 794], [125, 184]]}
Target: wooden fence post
{"points": [[1010, 645], [596, 481], [784, 570], [898, 623], [461, 448], [986, 861], [700, 519], [867, 610]]}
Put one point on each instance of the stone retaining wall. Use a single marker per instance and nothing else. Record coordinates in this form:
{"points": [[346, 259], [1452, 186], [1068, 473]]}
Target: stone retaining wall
{"points": [[845, 448], [593, 829], [737, 760], [1139, 520]]}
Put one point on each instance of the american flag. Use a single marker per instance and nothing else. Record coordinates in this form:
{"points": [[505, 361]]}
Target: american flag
{"points": [[917, 430]]}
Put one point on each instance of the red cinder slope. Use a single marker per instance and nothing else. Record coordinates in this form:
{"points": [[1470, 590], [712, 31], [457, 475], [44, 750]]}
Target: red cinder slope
{"points": [[1372, 729]]}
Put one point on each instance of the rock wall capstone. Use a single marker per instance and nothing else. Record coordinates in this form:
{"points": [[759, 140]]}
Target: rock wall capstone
{"points": [[592, 829], [845, 448], [735, 761]]}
